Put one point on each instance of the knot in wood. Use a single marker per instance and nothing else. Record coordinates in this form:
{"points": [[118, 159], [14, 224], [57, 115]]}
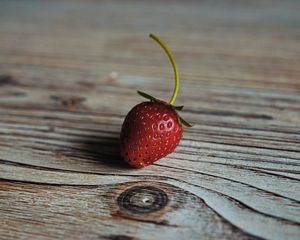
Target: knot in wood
{"points": [[142, 199]]}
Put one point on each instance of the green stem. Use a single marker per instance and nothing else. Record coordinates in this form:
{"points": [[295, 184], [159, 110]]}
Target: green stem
{"points": [[176, 76]]}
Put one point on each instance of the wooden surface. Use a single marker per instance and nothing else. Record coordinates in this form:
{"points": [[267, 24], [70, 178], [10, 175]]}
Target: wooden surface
{"points": [[69, 71]]}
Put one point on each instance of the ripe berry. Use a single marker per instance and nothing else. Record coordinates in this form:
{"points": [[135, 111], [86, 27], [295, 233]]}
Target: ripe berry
{"points": [[153, 129]]}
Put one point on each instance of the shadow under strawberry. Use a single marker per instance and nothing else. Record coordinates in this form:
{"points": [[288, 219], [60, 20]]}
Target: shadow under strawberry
{"points": [[102, 149]]}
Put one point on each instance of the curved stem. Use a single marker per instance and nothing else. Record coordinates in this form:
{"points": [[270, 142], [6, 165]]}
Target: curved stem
{"points": [[176, 76]]}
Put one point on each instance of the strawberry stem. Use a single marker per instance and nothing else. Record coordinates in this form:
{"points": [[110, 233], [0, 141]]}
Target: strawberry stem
{"points": [[176, 75]]}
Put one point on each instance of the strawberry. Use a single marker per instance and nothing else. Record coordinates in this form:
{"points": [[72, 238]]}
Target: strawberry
{"points": [[153, 129], [150, 131]]}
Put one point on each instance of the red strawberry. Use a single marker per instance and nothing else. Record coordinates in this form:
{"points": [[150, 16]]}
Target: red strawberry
{"points": [[152, 130]]}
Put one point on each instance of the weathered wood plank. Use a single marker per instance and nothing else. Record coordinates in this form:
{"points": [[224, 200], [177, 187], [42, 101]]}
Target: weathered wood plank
{"points": [[68, 74]]}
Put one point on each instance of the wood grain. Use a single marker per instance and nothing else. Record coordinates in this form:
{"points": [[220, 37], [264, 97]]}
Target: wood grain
{"points": [[68, 74]]}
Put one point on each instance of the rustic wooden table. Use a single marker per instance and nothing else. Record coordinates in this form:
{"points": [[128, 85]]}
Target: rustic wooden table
{"points": [[68, 75]]}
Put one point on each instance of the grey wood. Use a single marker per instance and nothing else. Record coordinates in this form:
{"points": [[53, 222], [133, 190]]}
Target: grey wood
{"points": [[69, 71]]}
